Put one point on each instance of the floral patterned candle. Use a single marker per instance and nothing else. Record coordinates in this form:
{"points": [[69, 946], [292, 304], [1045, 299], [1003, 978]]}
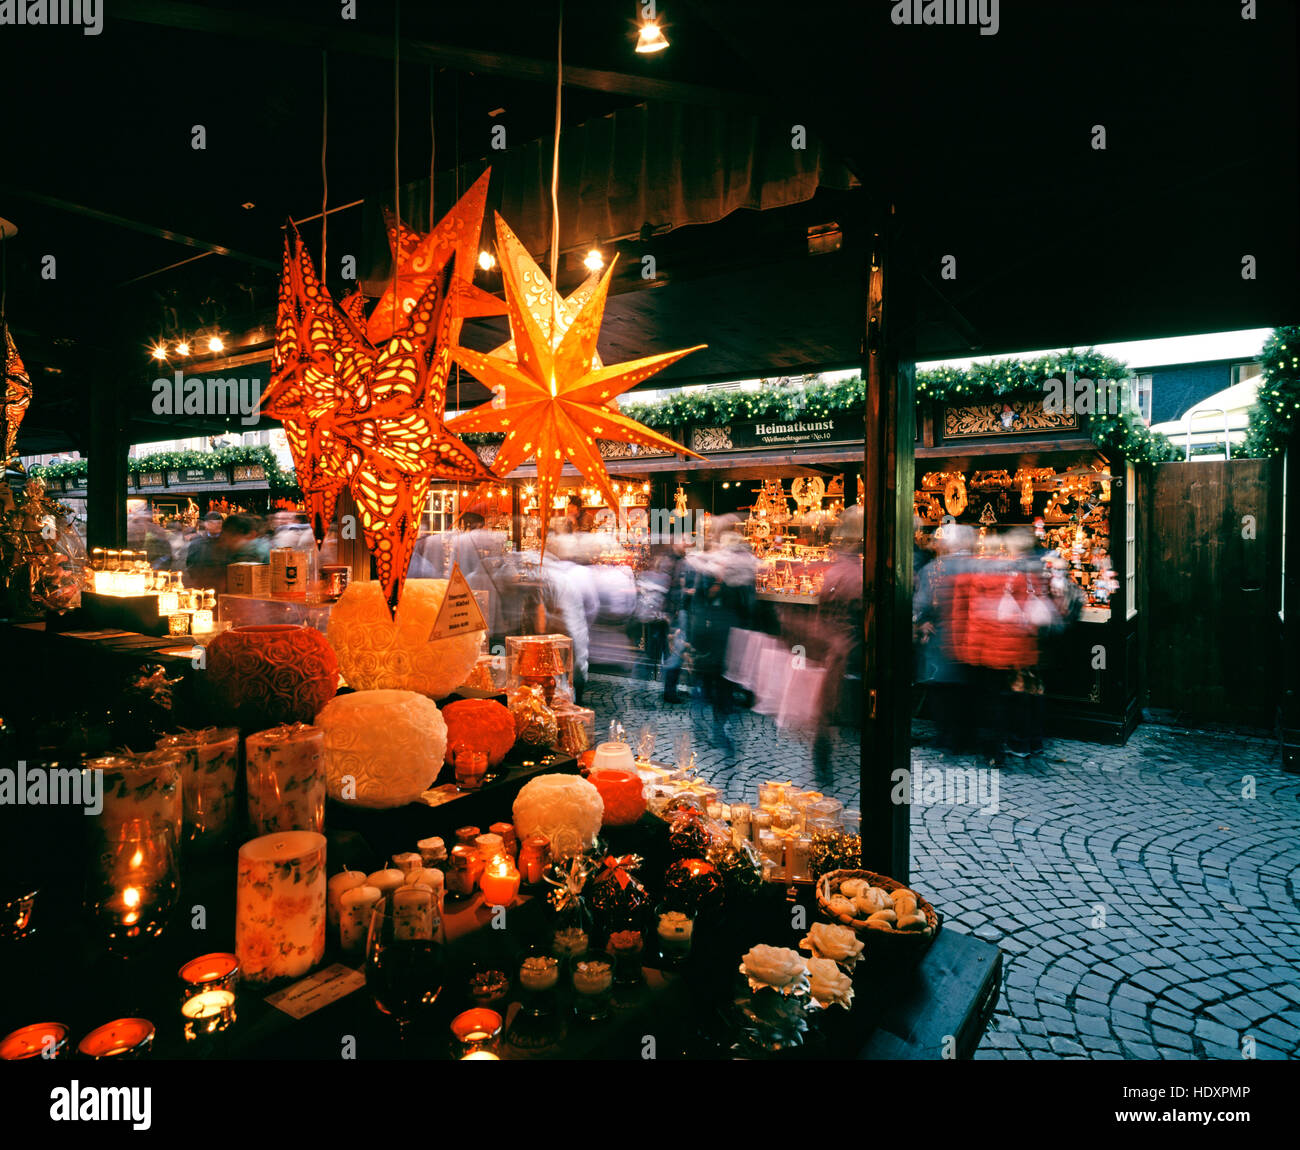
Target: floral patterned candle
{"points": [[355, 906], [338, 885], [140, 787], [280, 905], [286, 779], [209, 774]]}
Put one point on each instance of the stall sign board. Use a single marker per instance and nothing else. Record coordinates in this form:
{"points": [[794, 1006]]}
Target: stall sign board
{"points": [[810, 431], [459, 613]]}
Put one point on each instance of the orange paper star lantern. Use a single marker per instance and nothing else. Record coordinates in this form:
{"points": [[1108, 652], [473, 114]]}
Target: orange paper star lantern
{"points": [[552, 400], [419, 260], [17, 397]]}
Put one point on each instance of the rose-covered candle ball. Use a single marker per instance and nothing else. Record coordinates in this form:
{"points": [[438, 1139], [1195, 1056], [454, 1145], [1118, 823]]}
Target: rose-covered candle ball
{"points": [[550, 805], [382, 748], [265, 675], [379, 651], [481, 724], [623, 794]]}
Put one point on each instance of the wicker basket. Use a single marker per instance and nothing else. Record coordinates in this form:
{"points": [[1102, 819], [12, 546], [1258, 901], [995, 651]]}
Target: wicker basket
{"points": [[914, 940]]}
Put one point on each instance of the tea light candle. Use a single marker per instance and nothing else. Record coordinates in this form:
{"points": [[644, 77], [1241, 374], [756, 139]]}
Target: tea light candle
{"points": [[208, 995], [202, 622], [413, 913], [209, 775], [355, 906], [38, 1040], [285, 769], [280, 905], [613, 756], [500, 882], [211, 1010], [386, 880], [337, 886], [471, 768], [481, 1056], [476, 1031], [179, 623], [210, 971], [122, 1038]]}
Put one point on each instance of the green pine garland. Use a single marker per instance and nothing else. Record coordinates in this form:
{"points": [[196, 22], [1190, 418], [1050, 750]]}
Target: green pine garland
{"points": [[1277, 412], [281, 482]]}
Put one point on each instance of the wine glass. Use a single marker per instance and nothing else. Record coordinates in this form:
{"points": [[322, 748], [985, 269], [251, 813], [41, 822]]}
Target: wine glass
{"points": [[404, 966]]}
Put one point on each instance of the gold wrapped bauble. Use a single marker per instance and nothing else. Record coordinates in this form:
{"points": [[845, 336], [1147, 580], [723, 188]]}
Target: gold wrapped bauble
{"points": [[382, 748], [379, 652], [534, 720]]}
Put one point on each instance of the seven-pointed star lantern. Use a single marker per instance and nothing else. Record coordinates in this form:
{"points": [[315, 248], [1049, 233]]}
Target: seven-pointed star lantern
{"points": [[17, 397], [551, 401]]}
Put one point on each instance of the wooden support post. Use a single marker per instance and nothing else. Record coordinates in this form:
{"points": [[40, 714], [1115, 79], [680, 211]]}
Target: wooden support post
{"points": [[887, 561], [106, 475]]}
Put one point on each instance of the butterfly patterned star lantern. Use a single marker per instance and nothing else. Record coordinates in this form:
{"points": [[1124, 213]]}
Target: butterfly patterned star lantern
{"points": [[552, 400], [17, 397]]}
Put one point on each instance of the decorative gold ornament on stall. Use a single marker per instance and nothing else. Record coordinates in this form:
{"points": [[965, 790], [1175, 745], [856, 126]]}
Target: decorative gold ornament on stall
{"points": [[557, 404]]}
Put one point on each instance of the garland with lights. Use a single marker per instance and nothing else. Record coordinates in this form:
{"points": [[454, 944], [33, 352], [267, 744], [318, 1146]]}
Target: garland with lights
{"points": [[280, 481], [1276, 413]]}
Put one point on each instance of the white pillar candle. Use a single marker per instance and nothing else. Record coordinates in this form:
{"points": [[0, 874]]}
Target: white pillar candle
{"points": [[343, 881], [285, 767], [355, 906], [209, 774], [280, 905], [431, 878], [386, 880], [413, 916]]}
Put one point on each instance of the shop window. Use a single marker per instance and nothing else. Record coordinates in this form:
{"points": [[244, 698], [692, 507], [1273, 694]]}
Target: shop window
{"points": [[1130, 539], [1141, 396]]}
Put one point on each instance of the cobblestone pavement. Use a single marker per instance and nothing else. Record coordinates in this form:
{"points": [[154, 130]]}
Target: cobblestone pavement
{"points": [[1146, 898]]}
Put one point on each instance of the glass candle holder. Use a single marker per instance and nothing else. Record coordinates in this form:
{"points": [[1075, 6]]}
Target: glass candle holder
{"points": [[16, 917], [784, 818], [476, 1031], [798, 857], [851, 822], [626, 947], [471, 768], [134, 883], [489, 985], [760, 821], [740, 822], [593, 986], [539, 977], [38, 1040], [168, 603], [769, 795], [178, 623], [771, 848], [285, 769], [125, 1038], [500, 881], [675, 930], [208, 990]]}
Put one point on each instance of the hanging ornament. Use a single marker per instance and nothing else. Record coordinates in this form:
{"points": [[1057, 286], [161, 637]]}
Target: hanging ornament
{"points": [[557, 403], [18, 397], [987, 518], [420, 260]]}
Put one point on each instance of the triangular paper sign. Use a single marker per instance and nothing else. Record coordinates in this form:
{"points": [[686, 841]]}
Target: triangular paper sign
{"points": [[459, 613]]}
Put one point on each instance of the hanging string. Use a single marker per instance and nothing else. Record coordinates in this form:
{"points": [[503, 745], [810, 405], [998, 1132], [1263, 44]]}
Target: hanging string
{"points": [[324, 175], [397, 172], [555, 176], [433, 143]]}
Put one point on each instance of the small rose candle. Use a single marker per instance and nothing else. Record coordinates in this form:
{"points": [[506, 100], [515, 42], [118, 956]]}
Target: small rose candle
{"points": [[355, 906], [209, 775], [280, 905], [336, 887], [122, 1038], [285, 768], [500, 882]]}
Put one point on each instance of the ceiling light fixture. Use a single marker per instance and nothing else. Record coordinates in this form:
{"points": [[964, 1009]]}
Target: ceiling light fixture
{"points": [[651, 38]]}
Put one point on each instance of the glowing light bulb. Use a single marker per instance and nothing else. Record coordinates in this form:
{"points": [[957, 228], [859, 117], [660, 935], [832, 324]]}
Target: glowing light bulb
{"points": [[159, 351], [487, 261], [651, 38], [554, 391], [182, 349], [594, 261], [215, 344]]}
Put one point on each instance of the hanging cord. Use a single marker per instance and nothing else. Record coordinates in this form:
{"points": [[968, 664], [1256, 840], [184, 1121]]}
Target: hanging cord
{"points": [[397, 172], [555, 175], [324, 175]]}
